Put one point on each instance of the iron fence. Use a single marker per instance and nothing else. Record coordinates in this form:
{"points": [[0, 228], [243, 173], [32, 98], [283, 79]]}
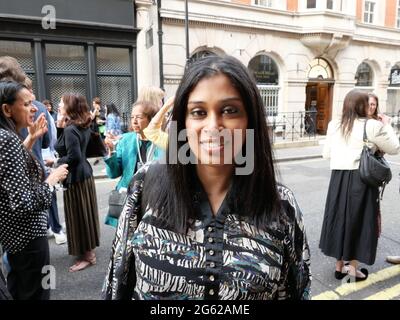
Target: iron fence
{"points": [[293, 125]]}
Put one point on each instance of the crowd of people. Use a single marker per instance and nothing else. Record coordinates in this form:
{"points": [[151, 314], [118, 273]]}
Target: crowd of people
{"points": [[196, 229]]}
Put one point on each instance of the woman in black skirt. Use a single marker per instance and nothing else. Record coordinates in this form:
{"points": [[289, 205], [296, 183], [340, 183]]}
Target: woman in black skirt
{"points": [[350, 228], [80, 202]]}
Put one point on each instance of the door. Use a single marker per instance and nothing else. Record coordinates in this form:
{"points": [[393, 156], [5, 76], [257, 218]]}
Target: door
{"points": [[319, 95], [323, 108]]}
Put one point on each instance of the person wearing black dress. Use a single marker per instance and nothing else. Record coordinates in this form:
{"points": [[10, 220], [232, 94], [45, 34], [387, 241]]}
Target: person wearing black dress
{"points": [[80, 201]]}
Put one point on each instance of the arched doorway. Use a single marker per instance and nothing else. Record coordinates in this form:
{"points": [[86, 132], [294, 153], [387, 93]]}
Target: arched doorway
{"points": [[319, 93], [266, 73]]}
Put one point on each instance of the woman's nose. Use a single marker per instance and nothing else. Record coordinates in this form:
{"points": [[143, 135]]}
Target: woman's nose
{"points": [[213, 122]]}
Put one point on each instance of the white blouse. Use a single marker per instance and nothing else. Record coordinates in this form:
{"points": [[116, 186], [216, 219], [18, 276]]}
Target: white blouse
{"points": [[345, 153]]}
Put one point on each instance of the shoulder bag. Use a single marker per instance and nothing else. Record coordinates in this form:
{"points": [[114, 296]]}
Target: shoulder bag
{"points": [[116, 202], [374, 169]]}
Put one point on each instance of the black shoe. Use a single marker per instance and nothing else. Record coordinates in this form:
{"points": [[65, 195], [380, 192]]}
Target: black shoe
{"points": [[340, 275]]}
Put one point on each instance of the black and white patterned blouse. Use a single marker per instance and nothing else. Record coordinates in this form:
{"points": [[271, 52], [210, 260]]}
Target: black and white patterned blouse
{"points": [[219, 257], [23, 196]]}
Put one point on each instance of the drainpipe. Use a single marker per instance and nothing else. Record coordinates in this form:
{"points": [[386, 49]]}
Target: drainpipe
{"points": [[160, 45]]}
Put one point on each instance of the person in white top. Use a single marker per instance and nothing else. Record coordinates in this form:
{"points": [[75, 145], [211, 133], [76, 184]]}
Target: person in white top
{"points": [[350, 228]]}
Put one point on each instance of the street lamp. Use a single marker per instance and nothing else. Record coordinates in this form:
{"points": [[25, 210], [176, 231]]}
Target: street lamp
{"points": [[187, 30]]}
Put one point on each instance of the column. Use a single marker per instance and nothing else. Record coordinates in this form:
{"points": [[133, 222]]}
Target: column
{"points": [[144, 57]]}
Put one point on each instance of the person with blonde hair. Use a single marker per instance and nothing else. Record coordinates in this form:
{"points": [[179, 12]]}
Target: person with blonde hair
{"points": [[154, 131], [151, 94]]}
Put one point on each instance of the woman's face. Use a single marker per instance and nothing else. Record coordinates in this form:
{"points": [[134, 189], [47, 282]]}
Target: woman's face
{"points": [[139, 120], [48, 107], [23, 111], [61, 108], [215, 116], [372, 106]]}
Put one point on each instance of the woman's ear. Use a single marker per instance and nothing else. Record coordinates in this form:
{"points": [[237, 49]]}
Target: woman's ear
{"points": [[6, 110]]}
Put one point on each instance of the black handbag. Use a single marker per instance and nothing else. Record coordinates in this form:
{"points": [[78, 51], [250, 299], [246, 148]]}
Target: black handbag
{"points": [[116, 202], [96, 147], [374, 169]]}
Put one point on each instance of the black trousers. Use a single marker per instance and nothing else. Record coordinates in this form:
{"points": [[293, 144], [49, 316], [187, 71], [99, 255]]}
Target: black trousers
{"points": [[24, 281], [54, 221]]}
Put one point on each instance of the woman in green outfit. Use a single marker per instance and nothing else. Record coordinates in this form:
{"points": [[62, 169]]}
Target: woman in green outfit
{"points": [[129, 153]]}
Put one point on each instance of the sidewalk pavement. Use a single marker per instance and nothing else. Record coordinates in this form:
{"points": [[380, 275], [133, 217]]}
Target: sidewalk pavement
{"points": [[281, 154]]}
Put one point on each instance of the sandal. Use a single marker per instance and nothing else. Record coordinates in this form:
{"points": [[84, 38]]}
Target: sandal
{"points": [[80, 265], [359, 279], [339, 275]]}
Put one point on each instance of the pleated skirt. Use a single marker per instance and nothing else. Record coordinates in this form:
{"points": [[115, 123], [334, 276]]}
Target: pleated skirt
{"points": [[81, 217], [350, 228]]}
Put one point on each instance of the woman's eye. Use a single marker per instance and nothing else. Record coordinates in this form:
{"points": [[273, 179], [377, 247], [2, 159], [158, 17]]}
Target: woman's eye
{"points": [[229, 110], [197, 113]]}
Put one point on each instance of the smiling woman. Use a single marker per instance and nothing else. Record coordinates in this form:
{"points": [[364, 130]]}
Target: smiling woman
{"points": [[215, 106], [199, 229]]}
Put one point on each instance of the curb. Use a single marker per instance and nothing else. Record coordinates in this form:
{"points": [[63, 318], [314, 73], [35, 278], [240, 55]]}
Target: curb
{"points": [[296, 158], [101, 176]]}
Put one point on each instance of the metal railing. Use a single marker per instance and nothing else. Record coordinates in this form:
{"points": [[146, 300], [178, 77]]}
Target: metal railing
{"points": [[293, 125]]}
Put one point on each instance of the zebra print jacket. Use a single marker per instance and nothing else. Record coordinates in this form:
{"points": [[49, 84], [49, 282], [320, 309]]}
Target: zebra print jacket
{"points": [[221, 257]]}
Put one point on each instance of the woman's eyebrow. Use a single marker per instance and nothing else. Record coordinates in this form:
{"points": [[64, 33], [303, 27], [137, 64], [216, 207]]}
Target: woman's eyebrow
{"points": [[229, 99]]}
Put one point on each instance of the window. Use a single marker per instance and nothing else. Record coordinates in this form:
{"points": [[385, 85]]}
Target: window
{"points": [[395, 76], [319, 69], [264, 3], [329, 4], [393, 92], [66, 70], [369, 8], [22, 51], [364, 75], [266, 74], [201, 54], [311, 4], [114, 77]]}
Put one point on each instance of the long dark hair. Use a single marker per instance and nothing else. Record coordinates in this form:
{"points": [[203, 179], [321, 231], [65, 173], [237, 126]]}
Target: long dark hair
{"points": [[112, 109], [170, 191], [77, 110], [9, 91], [355, 106]]}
